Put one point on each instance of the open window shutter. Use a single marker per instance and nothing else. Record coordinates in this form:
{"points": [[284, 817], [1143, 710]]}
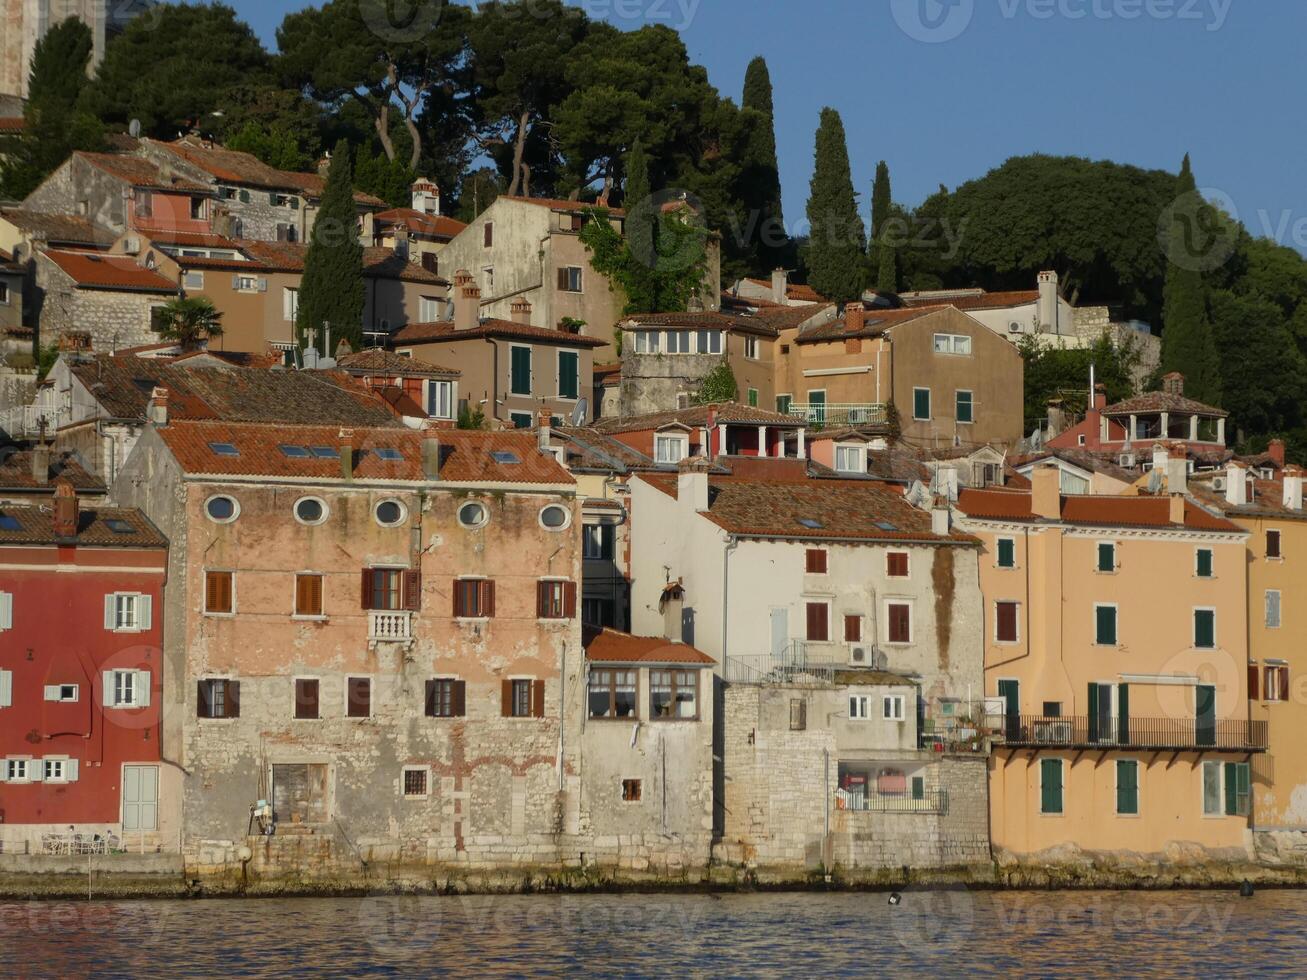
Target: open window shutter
{"points": [[506, 696], [4, 771], [145, 607], [110, 621], [542, 599], [365, 599], [70, 770], [431, 699], [233, 699], [413, 591], [1123, 713], [562, 279], [1253, 686], [6, 611], [458, 610], [1231, 789], [1093, 712], [106, 688], [569, 600], [537, 699], [142, 689], [488, 598], [458, 700], [52, 692], [6, 689], [203, 704]]}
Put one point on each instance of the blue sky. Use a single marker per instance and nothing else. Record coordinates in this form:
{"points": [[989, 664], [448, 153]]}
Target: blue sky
{"points": [[945, 90]]}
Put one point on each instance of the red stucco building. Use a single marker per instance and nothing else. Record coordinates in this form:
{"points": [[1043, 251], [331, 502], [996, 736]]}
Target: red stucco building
{"points": [[81, 603]]}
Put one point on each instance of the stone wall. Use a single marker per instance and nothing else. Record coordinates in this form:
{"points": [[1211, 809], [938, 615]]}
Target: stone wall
{"points": [[651, 382], [1091, 322], [113, 319]]}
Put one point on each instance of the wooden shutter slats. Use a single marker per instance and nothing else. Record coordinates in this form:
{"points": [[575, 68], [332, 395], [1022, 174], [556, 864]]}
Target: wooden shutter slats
{"points": [[431, 699], [487, 598], [458, 701], [366, 600], [203, 704], [537, 699], [569, 600], [506, 698], [233, 699], [412, 590]]}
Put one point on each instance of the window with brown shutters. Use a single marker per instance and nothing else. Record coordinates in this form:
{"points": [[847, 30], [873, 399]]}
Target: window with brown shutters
{"points": [[383, 588], [218, 698], [852, 629], [818, 622], [412, 590], [1273, 544], [358, 697], [899, 615], [474, 598], [307, 702], [816, 561], [218, 592], [1005, 621], [446, 698], [523, 698], [308, 594], [488, 234], [555, 599], [1254, 682], [896, 564]]}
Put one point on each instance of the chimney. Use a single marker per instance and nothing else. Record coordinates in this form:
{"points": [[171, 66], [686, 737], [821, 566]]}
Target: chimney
{"points": [[673, 616], [41, 463], [1046, 492], [1100, 397], [855, 315], [1276, 451], [65, 509], [780, 285], [1177, 471], [1177, 508], [467, 301], [158, 409], [544, 428], [426, 196], [1161, 455], [431, 454], [346, 440], [1236, 484], [1048, 303], [1293, 488], [692, 484], [1173, 383], [940, 517], [401, 240], [1056, 418], [520, 311]]}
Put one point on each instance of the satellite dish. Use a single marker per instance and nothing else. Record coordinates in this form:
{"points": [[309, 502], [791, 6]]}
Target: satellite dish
{"points": [[134, 128], [578, 413]]}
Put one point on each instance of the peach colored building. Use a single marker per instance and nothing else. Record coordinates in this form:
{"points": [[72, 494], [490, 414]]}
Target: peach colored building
{"points": [[1116, 645]]}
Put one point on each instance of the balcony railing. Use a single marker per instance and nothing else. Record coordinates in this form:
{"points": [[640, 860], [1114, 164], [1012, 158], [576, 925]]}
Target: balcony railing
{"points": [[1161, 734], [390, 627], [931, 802], [790, 666], [839, 414], [24, 421]]}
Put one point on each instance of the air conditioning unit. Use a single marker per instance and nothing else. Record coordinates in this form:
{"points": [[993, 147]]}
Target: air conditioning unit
{"points": [[1127, 460], [858, 655], [1057, 732], [132, 245], [1014, 327], [1218, 484]]}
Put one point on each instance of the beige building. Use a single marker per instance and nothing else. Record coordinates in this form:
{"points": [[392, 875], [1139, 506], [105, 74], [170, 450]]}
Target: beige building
{"points": [[24, 22]]}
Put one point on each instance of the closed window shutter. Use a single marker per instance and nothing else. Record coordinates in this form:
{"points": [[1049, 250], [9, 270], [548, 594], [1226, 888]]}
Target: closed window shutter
{"points": [[816, 621], [1105, 627], [431, 699], [1204, 563], [1051, 785], [110, 621], [1231, 789], [233, 699], [6, 611], [1127, 787], [537, 699], [506, 699], [203, 702], [487, 599], [1204, 629], [6, 689], [413, 591], [1007, 622], [1093, 712], [900, 624], [816, 561], [142, 690], [365, 594], [569, 600], [853, 629], [1007, 550], [1273, 609], [458, 700], [898, 564], [1123, 713]]}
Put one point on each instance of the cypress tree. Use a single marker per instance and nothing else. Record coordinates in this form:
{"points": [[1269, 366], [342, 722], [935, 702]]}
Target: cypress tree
{"points": [[762, 183], [881, 201], [887, 275], [1188, 340], [331, 290], [838, 243], [641, 230]]}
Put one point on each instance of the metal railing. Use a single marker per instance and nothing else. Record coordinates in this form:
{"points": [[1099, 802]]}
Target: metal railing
{"points": [[1164, 734], [24, 421], [931, 802], [791, 666], [837, 414], [390, 626]]}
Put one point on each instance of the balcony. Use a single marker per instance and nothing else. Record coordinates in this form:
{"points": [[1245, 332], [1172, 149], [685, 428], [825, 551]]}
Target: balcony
{"points": [[1141, 734], [390, 626], [840, 414], [933, 802]]}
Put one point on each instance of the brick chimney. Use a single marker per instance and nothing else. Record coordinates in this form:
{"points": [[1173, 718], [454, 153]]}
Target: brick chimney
{"points": [[431, 454], [346, 439], [65, 509], [467, 301], [1100, 397], [1276, 451], [520, 311], [1046, 492], [1056, 417], [780, 285], [1173, 383], [1177, 471], [1293, 487], [544, 429], [158, 408], [41, 463], [855, 315]]}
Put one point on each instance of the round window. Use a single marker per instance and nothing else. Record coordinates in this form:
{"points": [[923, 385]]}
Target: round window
{"points": [[222, 510], [473, 515], [389, 513], [310, 510], [555, 517]]}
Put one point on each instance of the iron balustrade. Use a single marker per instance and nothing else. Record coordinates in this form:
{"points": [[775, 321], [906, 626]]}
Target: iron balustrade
{"points": [[1164, 734]]}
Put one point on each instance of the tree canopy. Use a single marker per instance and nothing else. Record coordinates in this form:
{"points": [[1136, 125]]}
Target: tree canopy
{"points": [[837, 242], [331, 290]]}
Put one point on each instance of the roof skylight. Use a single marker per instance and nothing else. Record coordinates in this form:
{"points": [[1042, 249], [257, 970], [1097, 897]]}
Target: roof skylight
{"points": [[293, 452], [811, 524], [502, 456], [386, 453], [325, 452], [8, 523], [118, 526], [224, 449]]}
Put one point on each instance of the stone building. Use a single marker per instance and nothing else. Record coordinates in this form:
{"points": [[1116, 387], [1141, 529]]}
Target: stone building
{"points": [[96, 302]]}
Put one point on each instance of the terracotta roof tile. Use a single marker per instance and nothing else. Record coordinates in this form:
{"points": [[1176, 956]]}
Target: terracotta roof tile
{"points": [[608, 646], [140, 172], [795, 290], [378, 361], [875, 323], [558, 204], [11, 124], [168, 236], [981, 301], [1267, 499], [1096, 510], [419, 223], [101, 271], [68, 229], [1161, 401], [444, 331], [697, 415], [95, 527], [16, 472]]}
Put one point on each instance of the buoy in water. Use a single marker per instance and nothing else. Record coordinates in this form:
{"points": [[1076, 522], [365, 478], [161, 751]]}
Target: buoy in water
{"points": [[895, 898], [1246, 889]]}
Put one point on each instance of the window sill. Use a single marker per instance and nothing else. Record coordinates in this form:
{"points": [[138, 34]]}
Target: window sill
{"points": [[133, 629], [472, 620], [308, 619], [445, 717], [224, 718], [667, 720], [606, 718], [219, 615]]}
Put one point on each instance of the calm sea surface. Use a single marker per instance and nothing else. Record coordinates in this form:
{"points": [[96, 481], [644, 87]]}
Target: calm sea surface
{"points": [[945, 934]]}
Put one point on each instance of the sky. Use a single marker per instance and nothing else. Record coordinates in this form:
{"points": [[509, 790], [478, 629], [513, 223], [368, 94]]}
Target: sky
{"points": [[946, 90]]}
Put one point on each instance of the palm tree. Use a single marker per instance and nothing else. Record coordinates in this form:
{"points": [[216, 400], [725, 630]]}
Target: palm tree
{"points": [[189, 320]]}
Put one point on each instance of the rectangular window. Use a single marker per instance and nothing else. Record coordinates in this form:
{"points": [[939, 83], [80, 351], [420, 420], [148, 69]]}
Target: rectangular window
{"points": [[612, 693], [965, 407], [798, 715], [429, 309], [631, 790], [1212, 796], [474, 598], [753, 397], [126, 688], [1105, 633], [524, 698], [818, 622], [569, 279], [290, 304], [555, 599], [859, 707], [752, 348], [1273, 544], [1050, 786], [63, 693], [193, 279], [783, 403], [647, 341], [218, 590], [569, 373], [1006, 619], [218, 698], [598, 611], [709, 341], [1127, 787], [1204, 629], [308, 594], [446, 697], [896, 564], [671, 449], [299, 793], [358, 697], [1007, 553], [1238, 790], [852, 629], [815, 561], [60, 770], [415, 782], [921, 404], [127, 612], [1272, 609], [674, 694], [678, 342], [521, 420], [899, 618], [958, 344], [520, 371], [1106, 556], [851, 459], [440, 399], [597, 541], [16, 770], [1276, 683], [1203, 563], [383, 589], [893, 707], [488, 234], [307, 702]]}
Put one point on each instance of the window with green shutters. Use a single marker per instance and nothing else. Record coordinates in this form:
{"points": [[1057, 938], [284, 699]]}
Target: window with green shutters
{"points": [[1238, 777], [1204, 563], [1050, 786], [568, 373], [1127, 787], [1204, 629], [753, 397], [918, 788], [965, 412], [1007, 553], [783, 404], [921, 404], [1105, 626], [520, 380], [1106, 556]]}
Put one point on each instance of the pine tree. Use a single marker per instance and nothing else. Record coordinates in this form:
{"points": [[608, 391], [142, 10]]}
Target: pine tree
{"points": [[761, 183], [1188, 340], [331, 290], [838, 240]]}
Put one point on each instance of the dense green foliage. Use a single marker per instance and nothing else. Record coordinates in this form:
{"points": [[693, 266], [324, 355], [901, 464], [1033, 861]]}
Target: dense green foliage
{"points": [[764, 233], [664, 280], [189, 320], [1055, 371], [275, 147], [718, 385], [837, 240], [331, 291]]}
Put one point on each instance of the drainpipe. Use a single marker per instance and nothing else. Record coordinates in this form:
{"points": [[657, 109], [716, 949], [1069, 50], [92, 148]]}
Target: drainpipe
{"points": [[732, 542], [562, 718]]}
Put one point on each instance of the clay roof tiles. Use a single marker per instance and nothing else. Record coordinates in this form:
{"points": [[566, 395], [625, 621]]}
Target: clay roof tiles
{"points": [[609, 646], [69, 229], [111, 527], [443, 331], [695, 416], [419, 223], [1097, 510], [1162, 401], [378, 361], [16, 472], [100, 271]]}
